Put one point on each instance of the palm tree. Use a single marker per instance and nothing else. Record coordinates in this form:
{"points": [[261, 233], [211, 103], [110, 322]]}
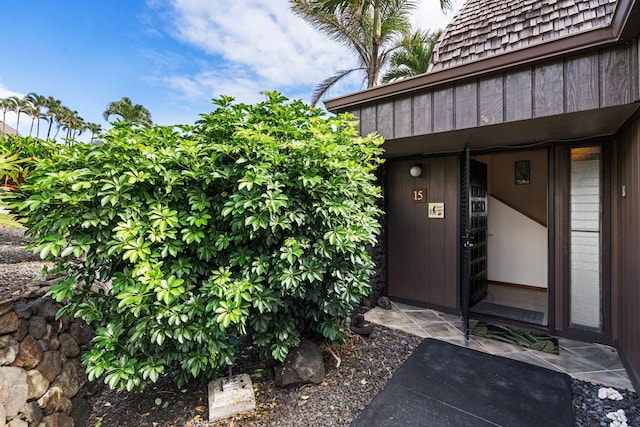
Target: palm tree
{"points": [[38, 102], [128, 112], [413, 56], [6, 104], [370, 28], [371, 33], [20, 105], [63, 116], [53, 108], [95, 129]]}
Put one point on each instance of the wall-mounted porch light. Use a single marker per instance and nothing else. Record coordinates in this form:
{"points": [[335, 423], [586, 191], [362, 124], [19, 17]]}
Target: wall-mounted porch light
{"points": [[416, 170]]}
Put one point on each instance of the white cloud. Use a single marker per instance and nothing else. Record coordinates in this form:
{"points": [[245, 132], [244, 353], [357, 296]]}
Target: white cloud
{"points": [[265, 46], [429, 16], [6, 92], [265, 38]]}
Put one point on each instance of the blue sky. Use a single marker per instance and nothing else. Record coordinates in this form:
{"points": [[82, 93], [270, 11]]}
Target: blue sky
{"points": [[172, 56]]}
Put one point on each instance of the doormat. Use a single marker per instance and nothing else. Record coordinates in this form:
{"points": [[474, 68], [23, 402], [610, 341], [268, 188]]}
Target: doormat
{"points": [[533, 340], [443, 384], [513, 313]]}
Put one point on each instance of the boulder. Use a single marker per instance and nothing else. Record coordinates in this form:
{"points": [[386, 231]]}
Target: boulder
{"points": [[57, 420], [9, 348], [303, 364], [13, 389], [9, 323], [71, 379], [384, 302], [37, 384], [30, 353], [47, 308], [5, 307], [51, 365], [54, 401], [81, 332], [31, 413], [37, 327], [68, 346]]}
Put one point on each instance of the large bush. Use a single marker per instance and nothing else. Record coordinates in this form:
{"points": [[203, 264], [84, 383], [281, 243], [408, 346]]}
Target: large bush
{"points": [[254, 224], [18, 155]]}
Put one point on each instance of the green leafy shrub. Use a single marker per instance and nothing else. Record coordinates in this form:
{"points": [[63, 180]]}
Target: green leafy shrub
{"points": [[18, 156], [252, 223]]}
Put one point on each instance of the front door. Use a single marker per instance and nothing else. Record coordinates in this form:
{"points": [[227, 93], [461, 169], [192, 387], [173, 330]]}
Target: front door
{"points": [[473, 229]]}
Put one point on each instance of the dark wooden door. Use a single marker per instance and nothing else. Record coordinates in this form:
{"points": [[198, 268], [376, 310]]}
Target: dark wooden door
{"points": [[473, 222]]}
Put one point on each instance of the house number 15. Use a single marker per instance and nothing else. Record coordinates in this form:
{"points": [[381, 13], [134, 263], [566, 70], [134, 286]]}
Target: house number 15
{"points": [[419, 195]]}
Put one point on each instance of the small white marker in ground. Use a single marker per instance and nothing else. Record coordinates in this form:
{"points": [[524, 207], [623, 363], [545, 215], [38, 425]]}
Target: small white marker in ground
{"points": [[230, 396]]}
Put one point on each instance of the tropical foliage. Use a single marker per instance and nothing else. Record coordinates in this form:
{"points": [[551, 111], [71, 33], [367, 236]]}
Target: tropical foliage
{"points": [[128, 112], [253, 224], [48, 109], [18, 156], [372, 29], [413, 56]]}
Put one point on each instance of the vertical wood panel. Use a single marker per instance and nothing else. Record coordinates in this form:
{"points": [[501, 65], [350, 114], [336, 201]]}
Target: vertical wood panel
{"points": [[518, 96], [582, 77], [491, 101], [385, 119], [368, 119], [400, 225], [443, 110], [422, 114], [615, 77], [466, 107], [452, 238], [421, 239], [560, 182], [434, 265], [548, 98], [422, 252], [628, 265], [402, 118]]}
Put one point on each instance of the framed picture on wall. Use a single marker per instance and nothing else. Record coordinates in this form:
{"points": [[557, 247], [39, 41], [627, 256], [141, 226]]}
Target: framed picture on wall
{"points": [[523, 172]]}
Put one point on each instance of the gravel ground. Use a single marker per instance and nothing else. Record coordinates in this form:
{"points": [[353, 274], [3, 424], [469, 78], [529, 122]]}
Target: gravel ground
{"points": [[365, 366]]}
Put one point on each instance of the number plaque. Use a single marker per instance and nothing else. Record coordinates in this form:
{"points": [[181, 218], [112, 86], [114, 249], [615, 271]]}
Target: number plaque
{"points": [[419, 195]]}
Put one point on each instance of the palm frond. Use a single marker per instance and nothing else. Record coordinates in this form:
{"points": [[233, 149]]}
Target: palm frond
{"points": [[322, 88]]}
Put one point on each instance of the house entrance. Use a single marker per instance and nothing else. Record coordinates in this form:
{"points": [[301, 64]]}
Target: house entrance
{"points": [[516, 246]]}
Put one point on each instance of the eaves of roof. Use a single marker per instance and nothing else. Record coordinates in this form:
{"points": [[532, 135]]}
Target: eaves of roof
{"points": [[625, 25]]}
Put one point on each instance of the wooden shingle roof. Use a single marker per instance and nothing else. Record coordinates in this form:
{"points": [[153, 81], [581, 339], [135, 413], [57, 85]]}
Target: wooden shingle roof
{"points": [[484, 28]]}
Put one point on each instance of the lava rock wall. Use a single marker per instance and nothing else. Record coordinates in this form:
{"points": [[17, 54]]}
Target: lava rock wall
{"points": [[42, 380]]}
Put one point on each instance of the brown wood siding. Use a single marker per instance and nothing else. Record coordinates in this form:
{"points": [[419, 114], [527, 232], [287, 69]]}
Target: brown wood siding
{"points": [[402, 118], [443, 110], [466, 106], [626, 264], [368, 119], [422, 114], [585, 82], [518, 102], [582, 76], [385, 119], [491, 101], [548, 99], [423, 252], [616, 79]]}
